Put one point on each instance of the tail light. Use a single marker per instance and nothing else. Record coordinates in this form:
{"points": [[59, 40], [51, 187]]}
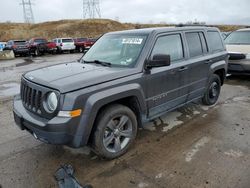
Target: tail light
{"points": [[61, 44], [14, 46]]}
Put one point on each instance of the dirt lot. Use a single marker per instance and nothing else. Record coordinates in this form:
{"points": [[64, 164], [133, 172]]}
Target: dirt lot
{"points": [[194, 146]]}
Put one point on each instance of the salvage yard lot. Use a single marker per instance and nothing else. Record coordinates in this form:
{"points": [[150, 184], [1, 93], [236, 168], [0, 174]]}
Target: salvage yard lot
{"points": [[194, 146]]}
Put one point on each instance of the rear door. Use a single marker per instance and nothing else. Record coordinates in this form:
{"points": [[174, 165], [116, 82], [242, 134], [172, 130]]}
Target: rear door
{"points": [[164, 84], [199, 63]]}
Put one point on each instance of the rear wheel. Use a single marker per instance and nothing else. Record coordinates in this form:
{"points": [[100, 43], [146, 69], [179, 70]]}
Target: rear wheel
{"points": [[116, 129], [81, 49], [213, 90], [36, 52]]}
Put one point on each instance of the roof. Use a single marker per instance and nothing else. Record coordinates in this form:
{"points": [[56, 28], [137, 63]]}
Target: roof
{"points": [[161, 29], [245, 29]]}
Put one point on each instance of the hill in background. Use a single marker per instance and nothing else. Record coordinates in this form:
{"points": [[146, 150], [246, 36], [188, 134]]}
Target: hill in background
{"points": [[73, 28]]}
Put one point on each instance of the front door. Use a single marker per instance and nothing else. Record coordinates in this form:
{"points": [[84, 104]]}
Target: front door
{"points": [[165, 86]]}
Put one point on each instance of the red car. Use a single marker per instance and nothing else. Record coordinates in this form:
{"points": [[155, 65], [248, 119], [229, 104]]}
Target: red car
{"points": [[51, 47], [40, 46], [83, 44]]}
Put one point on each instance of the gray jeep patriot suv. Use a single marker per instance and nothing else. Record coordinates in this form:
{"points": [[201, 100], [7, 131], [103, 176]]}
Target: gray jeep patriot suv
{"points": [[126, 79]]}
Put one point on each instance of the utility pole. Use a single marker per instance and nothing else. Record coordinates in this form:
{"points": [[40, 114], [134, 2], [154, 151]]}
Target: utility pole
{"points": [[27, 11], [91, 9]]}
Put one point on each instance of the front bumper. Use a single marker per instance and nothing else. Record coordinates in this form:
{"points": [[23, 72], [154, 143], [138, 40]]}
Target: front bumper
{"points": [[54, 131], [239, 67]]}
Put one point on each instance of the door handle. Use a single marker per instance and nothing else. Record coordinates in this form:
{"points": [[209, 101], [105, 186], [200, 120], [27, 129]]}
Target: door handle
{"points": [[182, 69], [208, 61]]}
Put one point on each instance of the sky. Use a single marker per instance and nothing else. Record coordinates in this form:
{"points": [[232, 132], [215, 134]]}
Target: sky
{"points": [[136, 11]]}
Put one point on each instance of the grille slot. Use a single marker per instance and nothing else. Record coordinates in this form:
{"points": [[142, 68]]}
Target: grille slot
{"points": [[31, 98]]}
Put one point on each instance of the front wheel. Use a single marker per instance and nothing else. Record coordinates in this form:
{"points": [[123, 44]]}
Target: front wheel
{"points": [[213, 90], [116, 129]]}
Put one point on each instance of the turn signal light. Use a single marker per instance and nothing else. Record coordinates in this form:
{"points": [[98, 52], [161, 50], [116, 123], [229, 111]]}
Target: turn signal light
{"points": [[70, 114]]}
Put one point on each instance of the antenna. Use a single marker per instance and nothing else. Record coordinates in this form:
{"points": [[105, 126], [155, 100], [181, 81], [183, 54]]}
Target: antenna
{"points": [[91, 9], [27, 11]]}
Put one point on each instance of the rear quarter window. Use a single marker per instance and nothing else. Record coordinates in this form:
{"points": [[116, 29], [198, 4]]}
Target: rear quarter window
{"points": [[214, 41]]}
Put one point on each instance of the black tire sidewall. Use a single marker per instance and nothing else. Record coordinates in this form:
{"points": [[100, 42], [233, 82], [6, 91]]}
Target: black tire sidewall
{"points": [[102, 120], [206, 99]]}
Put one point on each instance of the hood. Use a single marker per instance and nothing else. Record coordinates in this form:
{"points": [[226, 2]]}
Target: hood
{"points": [[245, 49], [73, 76]]}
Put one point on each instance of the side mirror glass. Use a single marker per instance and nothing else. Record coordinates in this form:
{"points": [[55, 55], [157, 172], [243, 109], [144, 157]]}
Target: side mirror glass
{"points": [[159, 60]]}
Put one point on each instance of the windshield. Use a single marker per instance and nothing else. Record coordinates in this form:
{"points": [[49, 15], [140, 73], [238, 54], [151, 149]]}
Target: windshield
{"points": [[238, 37], [118, 50], [20, 42]]}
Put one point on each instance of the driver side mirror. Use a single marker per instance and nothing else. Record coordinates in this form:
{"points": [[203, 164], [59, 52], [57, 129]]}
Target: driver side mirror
{"points": [[159, 60]]}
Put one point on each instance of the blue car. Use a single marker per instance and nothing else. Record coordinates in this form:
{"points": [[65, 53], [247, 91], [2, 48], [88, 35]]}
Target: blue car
{"points": [[2, 45]]}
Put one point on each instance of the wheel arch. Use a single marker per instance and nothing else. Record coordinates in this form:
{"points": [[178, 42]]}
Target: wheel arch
{"points": [[130, 95], [219, 68]]}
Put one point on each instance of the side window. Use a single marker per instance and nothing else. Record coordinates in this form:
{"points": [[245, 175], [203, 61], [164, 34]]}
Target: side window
{"points": [[194, 44], [214, 41], [169, 45]]}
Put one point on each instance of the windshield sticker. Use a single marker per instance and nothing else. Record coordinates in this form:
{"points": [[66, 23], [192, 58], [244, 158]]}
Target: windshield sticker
{"points": [[132, 41]]}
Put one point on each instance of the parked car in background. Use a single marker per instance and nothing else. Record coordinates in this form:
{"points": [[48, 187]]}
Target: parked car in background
{"points": [[2, 45], [238, 47], [80, 44], [51, 47], [126, 79], [65, 44], [19, 47], [83, 44], [38, 46], [89, 43]]}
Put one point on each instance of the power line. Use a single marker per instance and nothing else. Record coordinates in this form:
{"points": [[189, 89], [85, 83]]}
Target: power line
{"points": [[91, 9], [27, 11]]}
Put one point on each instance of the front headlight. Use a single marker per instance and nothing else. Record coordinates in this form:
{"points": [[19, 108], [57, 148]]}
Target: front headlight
{"points": [[51, 102]]}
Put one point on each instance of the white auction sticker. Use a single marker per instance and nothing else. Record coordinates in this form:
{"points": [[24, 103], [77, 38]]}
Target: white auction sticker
{"points": [[132, 41]]}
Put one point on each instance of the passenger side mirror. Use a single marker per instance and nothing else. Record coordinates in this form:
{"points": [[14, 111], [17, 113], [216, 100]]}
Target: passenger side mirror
{"points": [[159, 60]]}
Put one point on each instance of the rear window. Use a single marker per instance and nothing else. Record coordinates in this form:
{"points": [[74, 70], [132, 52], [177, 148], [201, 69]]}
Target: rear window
{"points": [[194, 44], [214, 41], [67, 40], [238, 37], [40, 41], [81, 39], [20, 42]]}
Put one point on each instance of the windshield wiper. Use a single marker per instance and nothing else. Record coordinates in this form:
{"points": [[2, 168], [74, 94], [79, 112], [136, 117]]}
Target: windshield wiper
{"points": [[107, 64]]}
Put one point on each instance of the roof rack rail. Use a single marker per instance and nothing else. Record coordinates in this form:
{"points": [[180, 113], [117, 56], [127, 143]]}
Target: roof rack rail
{"points": [[191, 25]]}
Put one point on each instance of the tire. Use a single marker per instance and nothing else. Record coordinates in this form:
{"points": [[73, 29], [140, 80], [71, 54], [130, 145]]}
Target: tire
{"points": [[213, 90], [36, 52], [71, 51], [117, 125], [81, 49]]}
